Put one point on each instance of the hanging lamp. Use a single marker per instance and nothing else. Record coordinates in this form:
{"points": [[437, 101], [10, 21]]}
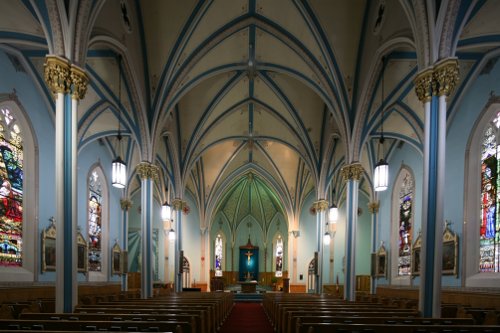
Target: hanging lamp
{"points": [[118, 166], [327, 237], [333, 213], [381, 173]]}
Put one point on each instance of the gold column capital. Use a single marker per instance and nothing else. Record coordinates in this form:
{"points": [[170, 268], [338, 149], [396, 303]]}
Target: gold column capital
{"points": [[352, 171], [80, 81], [146, 170], [125, 203], [373, 206], [320, 205], [423, 85], [446, 75], [180, 205], [57, 74]]}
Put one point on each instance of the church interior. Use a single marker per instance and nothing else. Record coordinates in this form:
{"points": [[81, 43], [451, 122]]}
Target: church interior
{"points": [[239, 148]]}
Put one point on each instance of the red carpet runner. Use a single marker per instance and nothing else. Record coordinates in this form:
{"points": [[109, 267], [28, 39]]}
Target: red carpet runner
{"points": [[247, 318]]}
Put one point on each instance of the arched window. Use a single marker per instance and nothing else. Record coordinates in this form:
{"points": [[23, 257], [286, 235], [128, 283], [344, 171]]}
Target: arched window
{"points": [[489, 228], [279, 257], [405, 224], [311, 272], [403, 196], [95, 222], [481, 237], [186, 274], [218, 255], [11, 190]]}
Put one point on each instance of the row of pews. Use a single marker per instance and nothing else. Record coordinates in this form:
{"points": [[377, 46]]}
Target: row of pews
{"points": [[174, 312], [311, 313]]}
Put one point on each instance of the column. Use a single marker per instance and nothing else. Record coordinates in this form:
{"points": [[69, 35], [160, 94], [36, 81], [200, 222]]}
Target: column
{"points": [[178, 205], [205, 253], [125, 204], [373, 207], [432, 87], [351, 174], [320, 206], [61, 79], [148, 173]]}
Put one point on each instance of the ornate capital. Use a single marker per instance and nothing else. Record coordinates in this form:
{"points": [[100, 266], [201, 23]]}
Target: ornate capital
{"points": [[423, 85], [80, 81], [146, 170], [125, 203], [320, 205], [373, 206], [57, 74], [446, 75], [352, 171], [177, 204]]}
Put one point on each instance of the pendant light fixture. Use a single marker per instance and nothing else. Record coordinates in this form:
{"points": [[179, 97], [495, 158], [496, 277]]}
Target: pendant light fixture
{"points": [[166, 215], [333, 213], [326, 237], [119, 168], [381, 173]]}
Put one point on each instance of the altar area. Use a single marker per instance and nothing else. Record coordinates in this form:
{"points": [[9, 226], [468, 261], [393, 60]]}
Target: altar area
{"points": [[248, 286]]}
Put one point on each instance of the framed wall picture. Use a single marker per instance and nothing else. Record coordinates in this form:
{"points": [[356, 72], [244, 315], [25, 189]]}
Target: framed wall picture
{"points": [[381, 262], [81, 254], [415, 256], [49, 247], [450, 252], [116, 256]]}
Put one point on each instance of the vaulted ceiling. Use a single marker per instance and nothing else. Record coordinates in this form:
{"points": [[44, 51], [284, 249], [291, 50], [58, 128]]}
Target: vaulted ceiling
{"points": [[286, 90]]}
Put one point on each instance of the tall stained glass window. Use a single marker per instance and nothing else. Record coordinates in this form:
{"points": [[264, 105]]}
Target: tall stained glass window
{"points": [[95, 222], [405, 224], [11, 190], [279, 257], [218, 255], [489, 230]]}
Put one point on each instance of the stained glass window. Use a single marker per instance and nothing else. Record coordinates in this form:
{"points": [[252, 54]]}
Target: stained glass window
{"points": [[405, 224], [489, 230], [279, 257], [95, 222], [11, 190], [218, 255]]}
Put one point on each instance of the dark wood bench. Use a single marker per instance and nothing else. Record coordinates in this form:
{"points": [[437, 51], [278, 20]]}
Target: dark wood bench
{"points": [[77, 325], [193, 320], [391, 328]]}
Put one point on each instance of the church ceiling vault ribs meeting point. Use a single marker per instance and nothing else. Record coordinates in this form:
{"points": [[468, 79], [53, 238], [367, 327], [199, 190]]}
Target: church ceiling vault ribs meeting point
{"points": [[253, 112]]}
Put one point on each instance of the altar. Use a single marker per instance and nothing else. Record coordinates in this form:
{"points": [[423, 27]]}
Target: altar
{"points": [[248, 286]]}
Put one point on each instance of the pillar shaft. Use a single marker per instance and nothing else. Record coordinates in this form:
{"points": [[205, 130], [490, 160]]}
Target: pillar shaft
{"points": [[62, 79], [373, 207], [178, 205], [351, 174], [432, 87], [148, 174]]}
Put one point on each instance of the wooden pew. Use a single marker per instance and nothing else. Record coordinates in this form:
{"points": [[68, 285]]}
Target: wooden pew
{"points": [[392, 328], [192, 319], [77, 325], [378, 320], [203, 323]]}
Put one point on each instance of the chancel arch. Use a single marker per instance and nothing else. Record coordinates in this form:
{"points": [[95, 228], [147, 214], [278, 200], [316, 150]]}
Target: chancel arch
{"points": [[19, 160]]}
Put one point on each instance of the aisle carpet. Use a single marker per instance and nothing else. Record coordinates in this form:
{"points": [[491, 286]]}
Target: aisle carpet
{"points": [[247, 318]]}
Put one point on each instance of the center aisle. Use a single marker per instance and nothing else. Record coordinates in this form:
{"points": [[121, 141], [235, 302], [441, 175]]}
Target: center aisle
{"points": [[247, 317]]}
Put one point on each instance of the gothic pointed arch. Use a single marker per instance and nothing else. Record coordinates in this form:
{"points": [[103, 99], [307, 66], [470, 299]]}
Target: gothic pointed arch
{"points": [[97, 224], [18, 170], [403, 201], [481, 239]]}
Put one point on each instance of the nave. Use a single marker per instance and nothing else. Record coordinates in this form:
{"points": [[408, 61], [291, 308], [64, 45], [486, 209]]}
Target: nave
{"points": [[280, 312]]}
